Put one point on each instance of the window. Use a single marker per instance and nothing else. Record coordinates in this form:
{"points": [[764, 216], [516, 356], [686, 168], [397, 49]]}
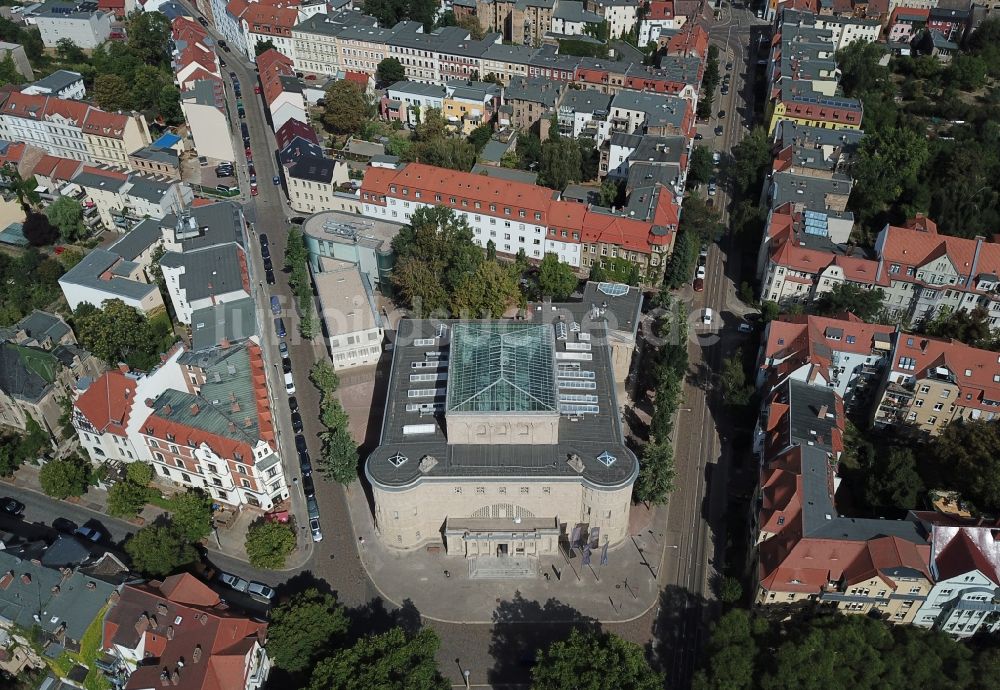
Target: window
{"points": [[246, 483], [179, 463], [938, 406], [932, 420], [546, 490], [457, 490], [502, 491], [925, 389], [524, 491]]}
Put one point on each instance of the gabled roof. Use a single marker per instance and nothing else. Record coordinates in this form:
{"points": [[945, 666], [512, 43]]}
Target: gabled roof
{"points": [[958, 553], [107, 402], [197, 641], [294, 128], [57, 168]]}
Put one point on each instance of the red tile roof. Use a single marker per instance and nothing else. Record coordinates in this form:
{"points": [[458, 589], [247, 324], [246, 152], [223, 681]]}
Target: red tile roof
{"points": [[181, 622], [270, 20], [453, 187], [884, 554], [294, 128], [975, 371], [272, 65], [692, 39], [962, 555], [107, 403], [362, 79], [660, 9], [13, 153], [57, 168]]}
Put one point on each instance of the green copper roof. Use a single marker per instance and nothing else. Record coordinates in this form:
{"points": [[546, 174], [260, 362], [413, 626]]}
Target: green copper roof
{"points": [[501, 367]]}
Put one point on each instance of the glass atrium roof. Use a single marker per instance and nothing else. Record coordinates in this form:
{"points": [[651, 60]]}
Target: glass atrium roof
{"points": [[501, 367]]}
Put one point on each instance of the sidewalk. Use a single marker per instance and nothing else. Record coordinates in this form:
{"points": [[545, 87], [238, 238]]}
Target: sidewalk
{"points": [[618, 592], [228, 542]]}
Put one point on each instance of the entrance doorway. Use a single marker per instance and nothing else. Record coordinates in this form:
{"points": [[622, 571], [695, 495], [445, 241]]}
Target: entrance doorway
{"points": [[501, 550]]}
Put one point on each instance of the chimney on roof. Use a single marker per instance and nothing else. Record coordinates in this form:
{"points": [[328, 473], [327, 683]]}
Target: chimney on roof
{"points": [[196, 655], [123, 368], [232, 427], [175, 677], [822, 412], [26, 578], [168, 410], [164, 677], [204, 619], [161, 609], [194, 408], [170, 632]]}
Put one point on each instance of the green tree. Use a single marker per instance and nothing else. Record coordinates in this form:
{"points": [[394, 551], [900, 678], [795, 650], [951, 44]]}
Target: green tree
{"points": [[731, 654], [269, 544], [68, 51], [390, 71], [169, 104], [39, 231], [117, 333], [680, 267], [65, 477], [126, 499], [735, 389], [730, 590], [609, 194], [324, 377], [339, 460], [158, 550], [346, 109], [529, 150], [560, 162], [147, 83], [894, 482], [487, 293], [966, 457], [8, 71], [393, 660], [435, 255], [556, 279], [112, 92], [24, 189], [471, 24], [702, 167], [303, 628], [191, 514], [888, 160], [149, 37], [656, 477], [139, 473], [750, 162], [972, 328], [600, 661], [263, 46], [848, 297], [66, 213], [967, 72]]}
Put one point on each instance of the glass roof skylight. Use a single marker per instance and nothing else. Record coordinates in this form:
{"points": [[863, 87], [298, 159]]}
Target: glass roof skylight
{"points": [[502, 367]]}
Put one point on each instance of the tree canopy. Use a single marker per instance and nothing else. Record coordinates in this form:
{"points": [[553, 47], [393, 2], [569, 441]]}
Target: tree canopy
{"points": [[118, 333], [393, 660], [597, 661], [433, 143], [30, 281], [389, 71], [39, 231], [65, 477], [66, 214], [347, 108], [191, 514], [838, 651], [159, 550], [967, 457], [848, 297], [702, 167], [555, 278], [268, 544], [303, 628], [657, 473]]}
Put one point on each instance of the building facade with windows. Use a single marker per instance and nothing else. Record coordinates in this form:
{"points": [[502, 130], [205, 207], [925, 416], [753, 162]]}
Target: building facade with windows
{"points": [[218, 435], [517, 216], [506, 433], [354, 326]]}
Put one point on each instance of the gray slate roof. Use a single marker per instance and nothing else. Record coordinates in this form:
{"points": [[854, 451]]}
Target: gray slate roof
{"points": [[88, 273], [208, 272], [58, 80], [232, 322], [216, 224], [139, 239], [36, 590]]}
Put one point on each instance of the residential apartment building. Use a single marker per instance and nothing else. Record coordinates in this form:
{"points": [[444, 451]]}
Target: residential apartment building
{"points": [[314, 183], [619, 14], [81, 23], [61, 84], [210, 126], [922, 272], [585, 113], [104, 275], [806, 107], [316, 42], [200, 641], [40, 364], [204, 277], [21, 63], [843, 353], [904, 24], [532, 102], [802, 548], [518, 216], [573, 18], [965, 565], [263, 22], [520, 23], [659, 17], [350, 237], [122, 200], [353, 324], [932, 381], [634, 112], [71, 129], [282, 91], [220, 437], [108, 413]]}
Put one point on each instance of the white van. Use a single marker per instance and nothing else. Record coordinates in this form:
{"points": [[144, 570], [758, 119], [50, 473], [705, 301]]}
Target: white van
{"points": [[289, 383], [706, 317]]}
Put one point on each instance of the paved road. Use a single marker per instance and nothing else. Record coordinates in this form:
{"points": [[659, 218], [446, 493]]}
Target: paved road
{"points": [[696, 514]]}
